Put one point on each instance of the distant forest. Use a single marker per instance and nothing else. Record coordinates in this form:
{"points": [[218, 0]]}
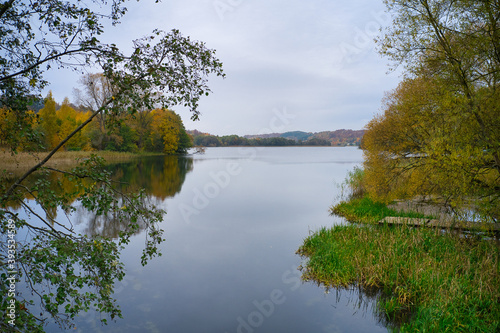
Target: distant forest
{"points": [[337, 138]]}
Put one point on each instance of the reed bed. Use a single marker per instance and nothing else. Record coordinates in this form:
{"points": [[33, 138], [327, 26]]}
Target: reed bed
{"points": [[16, 164], [446, 282]]}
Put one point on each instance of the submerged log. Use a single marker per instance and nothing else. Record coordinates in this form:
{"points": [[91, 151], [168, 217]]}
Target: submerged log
{"points": [[432, 223]]}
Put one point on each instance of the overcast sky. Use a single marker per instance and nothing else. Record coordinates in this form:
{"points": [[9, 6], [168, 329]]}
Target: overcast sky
{"points": [[290, 65]]}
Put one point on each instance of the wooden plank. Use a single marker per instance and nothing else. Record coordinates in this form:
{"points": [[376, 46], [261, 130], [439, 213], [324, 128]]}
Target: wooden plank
{"points": [[442, 224]]}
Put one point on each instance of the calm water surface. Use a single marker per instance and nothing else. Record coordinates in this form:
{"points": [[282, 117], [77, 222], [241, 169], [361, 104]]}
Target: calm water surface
{"points": [[235, 217]]}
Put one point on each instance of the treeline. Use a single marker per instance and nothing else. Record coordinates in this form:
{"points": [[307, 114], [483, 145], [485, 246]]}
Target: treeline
{"points": [[156, 130], [328, 138], [208, 140], [340, 138]]}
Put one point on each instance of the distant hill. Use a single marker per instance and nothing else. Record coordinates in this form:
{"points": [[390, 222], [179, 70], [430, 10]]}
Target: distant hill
{"points": [[341, 137], [262, 136], [297, 135]]}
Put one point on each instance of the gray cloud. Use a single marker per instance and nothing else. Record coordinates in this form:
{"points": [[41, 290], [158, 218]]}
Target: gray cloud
{"points": [[314, 58]]}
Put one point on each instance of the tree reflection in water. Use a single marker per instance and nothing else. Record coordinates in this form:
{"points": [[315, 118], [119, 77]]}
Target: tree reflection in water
{"points": [[66, 270], [159, 177]]}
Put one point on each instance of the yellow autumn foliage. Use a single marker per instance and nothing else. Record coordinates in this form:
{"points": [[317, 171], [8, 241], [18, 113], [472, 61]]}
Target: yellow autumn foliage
{"points": [[426, 144]]}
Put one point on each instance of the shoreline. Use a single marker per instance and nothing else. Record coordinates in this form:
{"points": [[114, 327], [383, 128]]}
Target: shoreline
{"points": [[16, 164], [431, 280]]}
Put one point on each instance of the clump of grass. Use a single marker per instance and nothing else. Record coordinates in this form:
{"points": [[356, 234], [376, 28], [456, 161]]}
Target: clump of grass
{"points": [[356, 205], [448, 283], [368, 211], [353, 186]]}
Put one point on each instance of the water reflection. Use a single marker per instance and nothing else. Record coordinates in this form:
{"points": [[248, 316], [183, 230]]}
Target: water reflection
{"points": [[159, 177], [237, 252], [368, 300], [52, 255]]}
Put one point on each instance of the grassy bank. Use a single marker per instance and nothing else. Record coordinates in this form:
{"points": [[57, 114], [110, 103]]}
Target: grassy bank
{"points": [[21, 162], [447, 283], [367, 211], [437, 282]]}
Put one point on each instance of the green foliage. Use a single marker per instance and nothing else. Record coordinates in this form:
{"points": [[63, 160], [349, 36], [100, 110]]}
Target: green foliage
{"points": [[17, 131], [365, 210], [316, 142], [48, 122], [122, 139], [206, 140], [72, 273], [165, 69], [68, 273], [226, 140], [80, 264], [353, 186], [297, 135], [185, 141], [336, 138], [357, 206], [272, 142], [433, 282]]}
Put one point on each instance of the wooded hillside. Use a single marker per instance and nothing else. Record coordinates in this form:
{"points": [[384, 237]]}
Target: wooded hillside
{"points": [[341, 137]]}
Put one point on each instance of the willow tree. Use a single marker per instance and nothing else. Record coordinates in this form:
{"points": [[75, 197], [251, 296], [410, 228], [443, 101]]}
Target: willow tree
{"points": [[440, 133], [70, 273]]}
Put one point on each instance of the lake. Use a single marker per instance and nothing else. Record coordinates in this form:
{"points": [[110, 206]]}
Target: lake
{"points": [[235, 217]]}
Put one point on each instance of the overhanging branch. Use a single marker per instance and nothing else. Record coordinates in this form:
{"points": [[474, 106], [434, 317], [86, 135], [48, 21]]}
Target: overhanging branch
{"points": [[47, 59]]}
